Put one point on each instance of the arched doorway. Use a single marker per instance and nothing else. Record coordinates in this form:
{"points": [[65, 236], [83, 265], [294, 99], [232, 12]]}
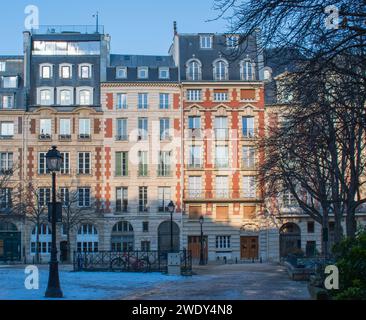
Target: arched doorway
{"points": [[290, 239], [10, 242], [122, 239], [164, 237]]}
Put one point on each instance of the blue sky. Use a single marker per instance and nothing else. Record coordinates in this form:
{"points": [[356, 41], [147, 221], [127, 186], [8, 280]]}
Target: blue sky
{"points": [[136, 26]]}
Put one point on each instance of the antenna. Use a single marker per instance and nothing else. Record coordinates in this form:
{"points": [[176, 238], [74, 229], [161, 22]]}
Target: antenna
{"points": [[96, 16]]}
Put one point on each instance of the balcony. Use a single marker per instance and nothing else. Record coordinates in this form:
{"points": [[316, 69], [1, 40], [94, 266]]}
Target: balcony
{"points": [[6, 137], [84, 137], [64, 137], [222, 193], [45, 137], [122, 138], [164, 171], [195, 194], [64, 29], [6, 172]]}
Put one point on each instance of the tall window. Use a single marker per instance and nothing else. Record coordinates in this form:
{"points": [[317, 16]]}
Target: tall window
{"points": [[221, 70], [65, 165], [7, 102], [122, 199], [122, 134], [164, 167], [194, 72], [249, 187], [288, 199], [195, 187], [222, 187], [6, 129], [44, 196], [85, 97], [143, 101], [247, 70], [143, 128], [232, 41], [143, 163], [87, 238], [121, 101], [5, 198], [222, 157], [65, 197], [45, 127], [206, 42], [2, 66], [84, 163], [164, 101], [65, 97], [84, 197], [85, 71], [46, 97], [10, 82], [65, 127], [164, 194], [195, 157], [164, 128], [84, 128], [42, 166], [121, 164], [143, 199], [248, 157], [248, 126], [6, 163], [65, 72], [194, 95], [44, 239], [221, 128], [194, 122], [46, 72]]}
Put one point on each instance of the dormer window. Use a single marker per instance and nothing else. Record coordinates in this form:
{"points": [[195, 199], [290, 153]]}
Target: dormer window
{"points": [[85, 71], [121, 73], [206, 42], [232, 41], [194, 70], [221, 70], [143, 72], [2, 66], [163, 73], [10, 82], [45, 96], [65, 71], [46, 71], [247, 70]]}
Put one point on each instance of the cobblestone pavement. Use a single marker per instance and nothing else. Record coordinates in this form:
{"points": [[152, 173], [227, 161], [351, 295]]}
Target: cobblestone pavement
{"points": [[229, 282]]}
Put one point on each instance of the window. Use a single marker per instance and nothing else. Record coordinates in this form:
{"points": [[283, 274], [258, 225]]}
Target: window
{"points": [[45, 127], [194, 212], [145, 226], [164, 101], [122, 199], [206, 42], [232, 41], [222, 157], [195, 187], [223, 242], [249, 187], [164, 167], [122, 134], [121, 73], [42, 165], [221, 95], [143, 128], [288, 199], [44, 239], [84, 197], [45, 97], [7, 129], [195, 157], [84, 128], [194, 95], [221, 71], [194, 122], [10, 82], [46, 71], [65, 197], [143, 101], [84, 163], [267, 73], [222, 187], [248, 157], [85, 97], [143, 163], [65, 165], [248, 127], [5, 198], [85, 71], [6, 163], [164, 194], [222, 213], [121, 101], [143, 199], [2, 66], [122, 164], [194, 70], [44, 196], [7, 102], [247, 70], [221, 128], [63, 48], [65, 71], [66, 98], [142, 72], [311, 227], [164, 129], [164, 73], [87, 238], [65, 127]]}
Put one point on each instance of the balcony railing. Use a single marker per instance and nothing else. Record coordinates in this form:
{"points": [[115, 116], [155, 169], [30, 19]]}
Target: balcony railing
{"points": [[143, 208], [195, 194], [63, 29], [122, 138], [6, 172], [6, 137], [84, 137], [193, 166], [222, 193], [45, 137], [64, 137]]}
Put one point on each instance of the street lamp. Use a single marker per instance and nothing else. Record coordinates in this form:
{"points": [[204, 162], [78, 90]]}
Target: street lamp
{"points": [[202, 262], [53, 161], [171, 208]]}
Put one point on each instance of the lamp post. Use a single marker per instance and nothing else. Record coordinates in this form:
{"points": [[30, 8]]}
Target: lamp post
{"points": [[171, 208], [54, 161], [202, 262]]}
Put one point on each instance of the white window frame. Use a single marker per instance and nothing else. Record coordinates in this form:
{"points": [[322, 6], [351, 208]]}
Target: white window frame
{"points": [[7, 101], [143, 69], [195, 156], [6, 161], [121, 69], [86, 170], [121, 101], [2, 66], [164, 101], [65, 123], [143, 101], [45, 123], [61, 67], [85, 202], [9, 132], [247, 70], [223, 242], [194, 70], [65, 165], [164, 70], [49, 102], [42, 165], [249, 187], [45, 65], [232, 41], [79, 90], [222, 187], [221, 70], [195, 187], [206, 41], [221, 96], [65, 89], [90, 70], [84, 126], [194, 94]]}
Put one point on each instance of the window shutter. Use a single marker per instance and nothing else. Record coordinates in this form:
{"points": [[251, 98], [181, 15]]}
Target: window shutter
{"points": [[247, 94], [118, 164], [222, 213]]}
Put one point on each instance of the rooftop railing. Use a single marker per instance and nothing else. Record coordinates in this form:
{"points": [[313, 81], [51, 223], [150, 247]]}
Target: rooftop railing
{"points": [[68, 29]]}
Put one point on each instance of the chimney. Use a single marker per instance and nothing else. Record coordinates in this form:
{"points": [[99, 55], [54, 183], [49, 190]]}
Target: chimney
{"points": [[175, 28]]}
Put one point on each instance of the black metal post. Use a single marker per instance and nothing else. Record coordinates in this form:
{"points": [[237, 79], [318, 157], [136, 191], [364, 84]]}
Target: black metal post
{"points": [[53, 288], [202, 262], [171, 231]]}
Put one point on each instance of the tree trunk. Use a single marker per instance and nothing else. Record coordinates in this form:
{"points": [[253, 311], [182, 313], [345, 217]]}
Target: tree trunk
{"points": [[351, 225], [68, 246], [37, 243]]}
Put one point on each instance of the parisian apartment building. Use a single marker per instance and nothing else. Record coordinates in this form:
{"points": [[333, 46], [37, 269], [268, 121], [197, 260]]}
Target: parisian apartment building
{"points": [[137, 132]]}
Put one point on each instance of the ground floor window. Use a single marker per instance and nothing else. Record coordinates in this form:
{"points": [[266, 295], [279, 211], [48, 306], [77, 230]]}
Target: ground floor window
{"points": [[122, 245], [87, 246], [43, 247], [223, 242], [145, 245]]}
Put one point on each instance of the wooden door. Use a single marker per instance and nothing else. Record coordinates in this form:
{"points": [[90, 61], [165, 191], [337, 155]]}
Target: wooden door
{"points": [[194, 245], [249, 247]]}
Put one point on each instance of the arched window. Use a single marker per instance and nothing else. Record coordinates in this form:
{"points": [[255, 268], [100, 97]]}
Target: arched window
{"points": [[221, 71], [45, 239], [85, 97], [65, 97], [122, 237], [87, 238], [247, 70], [194, 71]]}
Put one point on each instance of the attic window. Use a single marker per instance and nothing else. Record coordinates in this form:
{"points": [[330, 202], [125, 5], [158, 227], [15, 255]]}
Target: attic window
{"points": [[2, 66], [159, 59], [206, 42], [143, 72], [121, 73], [163, 73]]}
